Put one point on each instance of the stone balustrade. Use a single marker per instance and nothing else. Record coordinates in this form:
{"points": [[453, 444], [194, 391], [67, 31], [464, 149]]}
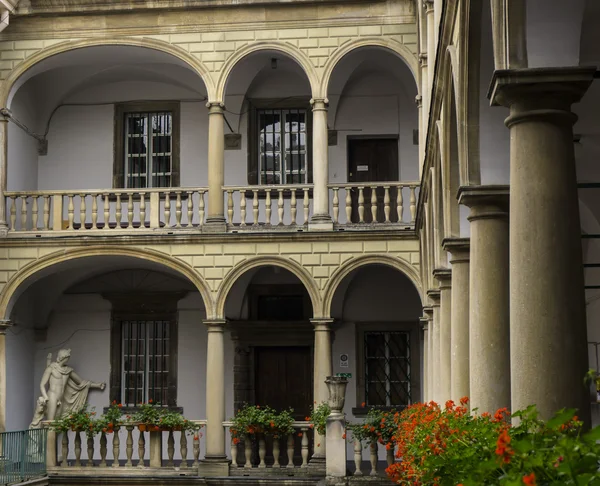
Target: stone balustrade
{"points": [[373, 458]]}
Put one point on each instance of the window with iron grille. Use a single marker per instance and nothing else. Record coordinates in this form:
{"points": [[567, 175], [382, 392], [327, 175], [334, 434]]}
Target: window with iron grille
{"points": [[387, 361], [146, 145], [145, 362]]}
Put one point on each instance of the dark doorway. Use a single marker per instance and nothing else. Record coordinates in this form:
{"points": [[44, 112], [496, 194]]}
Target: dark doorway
{"points": [[283, 378], [373, 160]]}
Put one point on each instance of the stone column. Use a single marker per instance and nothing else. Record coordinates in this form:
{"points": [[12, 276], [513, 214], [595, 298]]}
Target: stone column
{"points": [[424, 321], [428, 312], [215, 391], [4, 326], [436, 384], [489, 352], [3, 173], [215, 219], [444, 277], [323, 367], [321, 219], [548, 333], [428, 4], [459, 339]]}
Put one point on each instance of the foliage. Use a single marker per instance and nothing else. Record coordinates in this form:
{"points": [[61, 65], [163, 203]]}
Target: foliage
{"points": [[379, 426], [450, 446], [281, 425], [81, 421], [111, 418], [254, 419], [155, 418], [149, 413], [318, 417]]}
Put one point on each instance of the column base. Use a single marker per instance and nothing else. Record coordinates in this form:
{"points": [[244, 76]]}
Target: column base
{"points": [[317, 462], [214, 225], [320, 222], [214, 466]]}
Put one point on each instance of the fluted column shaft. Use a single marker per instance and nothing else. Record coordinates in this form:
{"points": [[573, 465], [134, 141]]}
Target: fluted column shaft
{"points": [[548, 343], [216, 164], [215, 390]]}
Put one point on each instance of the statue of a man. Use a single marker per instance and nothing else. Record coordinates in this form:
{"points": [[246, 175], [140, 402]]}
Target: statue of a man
{"points": [[67, 391]]}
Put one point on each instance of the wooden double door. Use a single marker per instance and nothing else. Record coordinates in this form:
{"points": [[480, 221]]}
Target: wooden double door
{"points": [[373, 160]]}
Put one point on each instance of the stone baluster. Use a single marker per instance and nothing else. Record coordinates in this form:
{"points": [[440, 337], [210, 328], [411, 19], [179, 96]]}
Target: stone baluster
{"points": [[262, 451], [306, 205], [234, 453], [183, 450], [141, 449], [336, 205], [196, 447], [357, 458], [386, 203], [290, 451], [129, 446], [242, 208], [373, 451], [46, 212], [13, 213], [106, 211], [361, 205], [130, 211], [77, 449], [348, 204], [389, 456], [90, 451], [268, 208], [229, 206], [142, 210], [103, 450], [413, 204], [374, 204], [34, 213], [280, 206], [167, 209], [248, 452], [70, 211], [23, 213], [178, 209], [304, 451], [170, 449], [255, 207], [118, 211], [201, 208], [94, 211], [276, 452], [65, 449], [400, 205], [190, 208], [293, 208], [116, 447], [82, 212]]}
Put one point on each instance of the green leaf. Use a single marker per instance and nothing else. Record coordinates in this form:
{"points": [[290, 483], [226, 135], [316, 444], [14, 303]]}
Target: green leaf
{"points": [[593, 435], [561, 418]]}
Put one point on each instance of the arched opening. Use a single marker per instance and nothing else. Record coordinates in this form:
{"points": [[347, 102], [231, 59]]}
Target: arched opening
{"points": [[131, 323], [106, 117], [373, 125]]}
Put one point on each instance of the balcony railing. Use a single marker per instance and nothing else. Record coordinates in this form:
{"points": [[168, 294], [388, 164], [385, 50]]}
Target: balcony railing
{"points": [[382, 205], [23, 455]]}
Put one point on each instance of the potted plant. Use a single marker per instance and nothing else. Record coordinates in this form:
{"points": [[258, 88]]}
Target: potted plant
{"points": [[81, 421], [281, 424], [111, 418], [148, 416], [251, 420]]}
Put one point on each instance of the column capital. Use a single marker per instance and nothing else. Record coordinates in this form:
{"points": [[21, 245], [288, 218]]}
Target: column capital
{"points": [[215, 325], [5, 115], [444, 277], [485, 201], [424, 322], [215, 107], [434, 297], [419, 101], [428, 5], [319, 104], [5, 325], [459, 249], [322, 323], [423, 59], [428, 313]]}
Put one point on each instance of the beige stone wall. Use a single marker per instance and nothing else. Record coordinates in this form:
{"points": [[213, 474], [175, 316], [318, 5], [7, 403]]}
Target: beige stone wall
{"points": [[320, 263]]}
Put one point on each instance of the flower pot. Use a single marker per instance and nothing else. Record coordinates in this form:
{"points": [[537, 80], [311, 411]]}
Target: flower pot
{"points": [[336, 386], [142, 427]]}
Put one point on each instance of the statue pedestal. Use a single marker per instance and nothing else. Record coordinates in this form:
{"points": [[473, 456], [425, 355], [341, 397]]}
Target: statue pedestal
{"points": [[336, 445], [156, 446]]}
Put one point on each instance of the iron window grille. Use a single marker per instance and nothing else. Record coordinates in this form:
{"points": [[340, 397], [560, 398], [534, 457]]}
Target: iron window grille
{"points": [[148, 149], [282, 147], [387, 369], [145, 361]]}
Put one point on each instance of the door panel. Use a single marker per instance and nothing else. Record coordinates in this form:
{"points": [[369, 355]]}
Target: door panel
{"points": [[373, 160]]}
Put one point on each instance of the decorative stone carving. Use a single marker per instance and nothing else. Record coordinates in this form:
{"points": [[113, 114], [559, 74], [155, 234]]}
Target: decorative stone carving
{"points": [[38, 414], [336, 385], [67, 391]]}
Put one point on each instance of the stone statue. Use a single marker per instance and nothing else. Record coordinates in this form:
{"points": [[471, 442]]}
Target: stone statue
{"points": [[67, 391], [38, 415]]}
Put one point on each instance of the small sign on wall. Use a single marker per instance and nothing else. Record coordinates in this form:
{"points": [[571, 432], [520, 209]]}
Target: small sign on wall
{"points": [[344, 361], [362, 168]]}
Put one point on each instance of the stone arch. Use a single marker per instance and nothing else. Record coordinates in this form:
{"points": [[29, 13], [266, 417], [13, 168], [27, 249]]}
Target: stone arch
{"points": [[17, 284], [402, 266], [158, 45], [289, 50], [396, 47], [285, 263]]}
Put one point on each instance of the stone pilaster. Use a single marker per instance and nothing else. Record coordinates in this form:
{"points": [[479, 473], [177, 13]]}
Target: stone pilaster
{"points": [[3, 173], [215, 391], [428, 314], [4, 326], [489, 339], [459, 339], [424, 321], [215, 220], [323, 367], [436, 384], [431, 51], [444, 277], [321, 219], [548, 334]]}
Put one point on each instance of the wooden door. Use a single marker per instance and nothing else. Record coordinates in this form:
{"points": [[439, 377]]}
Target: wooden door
{"points": [[283, 378], [373, 160]]}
